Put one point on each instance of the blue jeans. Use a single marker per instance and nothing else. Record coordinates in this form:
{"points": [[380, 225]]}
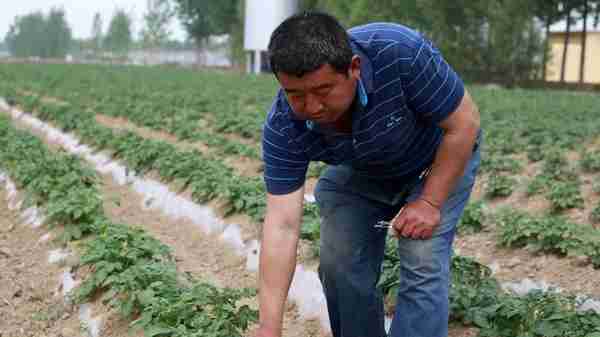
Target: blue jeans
{"points": [[352, 252]]}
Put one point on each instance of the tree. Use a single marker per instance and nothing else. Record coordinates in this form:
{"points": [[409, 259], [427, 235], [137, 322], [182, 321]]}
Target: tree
{"points": [[583, 40], [569, 10], [157, 19], [118, 37], [202, 19], [96, 39], [59, 34], [548, 12], [36, 35]]}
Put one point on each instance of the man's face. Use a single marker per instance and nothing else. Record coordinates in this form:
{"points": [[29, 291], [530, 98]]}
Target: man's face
{"points": [[323, 95]]}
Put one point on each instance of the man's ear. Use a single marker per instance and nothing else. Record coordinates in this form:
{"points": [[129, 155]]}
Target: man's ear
{"points": [[354, 70]]}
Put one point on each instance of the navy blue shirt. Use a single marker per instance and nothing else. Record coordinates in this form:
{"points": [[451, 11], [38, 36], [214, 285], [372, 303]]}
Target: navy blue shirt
{"points": [[406, 88]]}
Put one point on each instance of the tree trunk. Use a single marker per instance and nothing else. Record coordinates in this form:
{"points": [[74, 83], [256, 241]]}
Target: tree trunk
{"points": [[566, 46], [583, 43], [546, 46]]}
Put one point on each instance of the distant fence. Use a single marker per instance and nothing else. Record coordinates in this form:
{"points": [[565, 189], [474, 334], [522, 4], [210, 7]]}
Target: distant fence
{"points": [[539, 84]]}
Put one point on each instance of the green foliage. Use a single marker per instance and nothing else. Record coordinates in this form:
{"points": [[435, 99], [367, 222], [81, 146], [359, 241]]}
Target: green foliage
{"points": [[157, 18], [200, 310], [499, 186], [38, 35], [97, 35], [596, 187], [590, 161], [550, 234], [66, 188], [565, 195], [138, 277], [560, 182], [204, 18], [472, 218], [141, 281], [389, 280], [476, 298], [311, 227], [118, 38], [595, 214], [132, 271], [474, 292], [499, 163]]}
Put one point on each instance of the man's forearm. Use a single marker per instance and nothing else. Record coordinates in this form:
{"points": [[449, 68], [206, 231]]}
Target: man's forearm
{"points": [[277, 265], [449, 164]]}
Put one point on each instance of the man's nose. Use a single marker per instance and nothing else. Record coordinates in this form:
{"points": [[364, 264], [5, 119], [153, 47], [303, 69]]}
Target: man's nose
{"points": [[313, 105]]}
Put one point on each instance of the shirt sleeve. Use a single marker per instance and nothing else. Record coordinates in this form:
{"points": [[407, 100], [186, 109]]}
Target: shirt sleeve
{"points": [[284, 164], [433, 89]]}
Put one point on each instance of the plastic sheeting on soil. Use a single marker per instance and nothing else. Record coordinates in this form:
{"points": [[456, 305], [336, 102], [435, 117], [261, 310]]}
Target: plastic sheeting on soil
{"points": [[310, 198], [306, 289], [92, 324], [58, 255], [528, 285], [66, 282]]}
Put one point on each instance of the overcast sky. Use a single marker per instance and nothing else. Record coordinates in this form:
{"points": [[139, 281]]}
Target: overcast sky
{"points": [[79, 13]]}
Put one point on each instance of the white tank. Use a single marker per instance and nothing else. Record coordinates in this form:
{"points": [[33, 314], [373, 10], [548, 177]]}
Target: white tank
{"points": [[262, 17]]}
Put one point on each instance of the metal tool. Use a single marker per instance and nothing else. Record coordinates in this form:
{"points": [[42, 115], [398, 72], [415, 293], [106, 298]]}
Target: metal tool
{"points": [[382, 224]]}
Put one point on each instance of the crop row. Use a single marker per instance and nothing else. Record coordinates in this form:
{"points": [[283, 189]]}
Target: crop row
{"points": [[133, 272], [181, 112], [204, 105], [515, 121], [476, 297]]}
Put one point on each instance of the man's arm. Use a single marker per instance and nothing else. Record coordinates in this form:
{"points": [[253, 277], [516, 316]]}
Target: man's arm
{"points": [[460, 133], [419, 218], [280, 234]]}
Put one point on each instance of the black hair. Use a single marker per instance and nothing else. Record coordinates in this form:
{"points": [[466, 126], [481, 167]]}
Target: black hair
{"points": [[306, 41]]}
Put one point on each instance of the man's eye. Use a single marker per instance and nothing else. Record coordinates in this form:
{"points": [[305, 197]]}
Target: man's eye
{"points": [[323, 92]]}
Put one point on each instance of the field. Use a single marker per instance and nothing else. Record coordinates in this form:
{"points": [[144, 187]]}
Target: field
{"points": [[151, 209]]}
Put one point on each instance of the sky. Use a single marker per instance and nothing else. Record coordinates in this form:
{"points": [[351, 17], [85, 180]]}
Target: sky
{"points": [[80, 14]]}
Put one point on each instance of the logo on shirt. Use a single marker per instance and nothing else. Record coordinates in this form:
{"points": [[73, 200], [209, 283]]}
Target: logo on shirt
{"points": [[393, 121]]}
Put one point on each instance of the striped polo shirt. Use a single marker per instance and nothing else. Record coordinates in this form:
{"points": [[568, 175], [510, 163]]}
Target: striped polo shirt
{"points": [[405, 89]]}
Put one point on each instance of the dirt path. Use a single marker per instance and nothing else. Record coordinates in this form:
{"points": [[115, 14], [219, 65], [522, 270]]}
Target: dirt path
{"points": [[32, 301], [28, 306], [204, 256]]}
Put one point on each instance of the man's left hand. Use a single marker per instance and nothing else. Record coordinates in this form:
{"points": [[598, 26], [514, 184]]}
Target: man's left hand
{"points": [[417, 220]]}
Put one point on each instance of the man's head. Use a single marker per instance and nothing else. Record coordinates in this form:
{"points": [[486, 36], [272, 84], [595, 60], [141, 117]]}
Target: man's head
{"points": [[311, 56]]}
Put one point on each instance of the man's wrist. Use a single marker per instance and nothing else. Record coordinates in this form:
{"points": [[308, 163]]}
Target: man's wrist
{"points": [[431, 203]]}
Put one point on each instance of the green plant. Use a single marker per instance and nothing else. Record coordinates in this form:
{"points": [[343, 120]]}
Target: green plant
{"points": [[311, 227], [595, 214], [565, 195], [590, 161], [472, 218], [499, 186], [596, 187]]}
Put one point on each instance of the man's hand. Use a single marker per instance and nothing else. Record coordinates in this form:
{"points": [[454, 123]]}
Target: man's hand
{"points": [[417, 220]]}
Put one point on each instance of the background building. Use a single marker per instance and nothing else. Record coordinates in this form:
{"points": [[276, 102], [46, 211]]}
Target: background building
{"points": [[556, 43]]}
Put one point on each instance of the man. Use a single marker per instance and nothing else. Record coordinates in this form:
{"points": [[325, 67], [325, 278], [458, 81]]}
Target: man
{"points": [[400, 134]]}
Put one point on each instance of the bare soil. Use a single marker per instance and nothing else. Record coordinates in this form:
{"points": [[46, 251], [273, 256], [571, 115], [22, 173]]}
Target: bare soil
{"points": [[206, 257]]}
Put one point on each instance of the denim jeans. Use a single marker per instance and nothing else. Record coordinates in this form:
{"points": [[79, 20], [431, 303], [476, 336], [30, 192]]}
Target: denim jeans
{"points": [[352, 251]]}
